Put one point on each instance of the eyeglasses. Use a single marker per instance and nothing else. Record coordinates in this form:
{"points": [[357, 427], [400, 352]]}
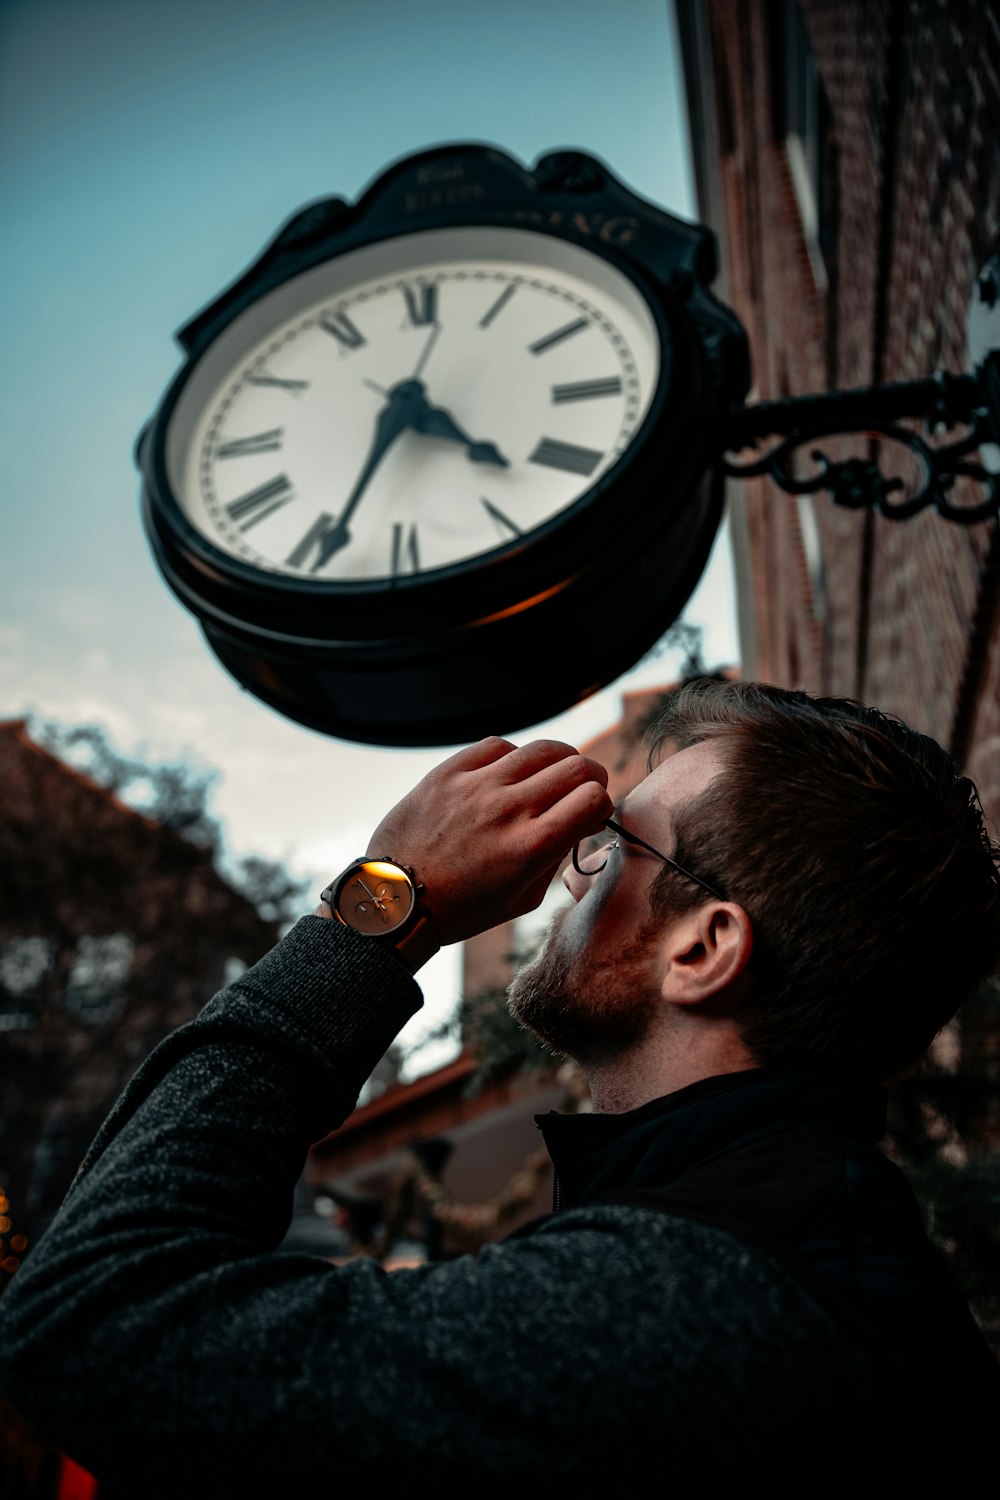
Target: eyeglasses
{"points": [[593, 863]]}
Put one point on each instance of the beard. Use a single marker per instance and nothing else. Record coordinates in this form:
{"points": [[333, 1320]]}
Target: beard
{"points": [[594, 1011]]}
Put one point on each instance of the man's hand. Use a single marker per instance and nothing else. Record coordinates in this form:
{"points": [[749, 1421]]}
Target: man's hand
{"points": [[486, 831]]}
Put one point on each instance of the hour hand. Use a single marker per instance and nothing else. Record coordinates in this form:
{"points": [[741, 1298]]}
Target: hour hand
{"points": [[437, 422], [487, 453]]}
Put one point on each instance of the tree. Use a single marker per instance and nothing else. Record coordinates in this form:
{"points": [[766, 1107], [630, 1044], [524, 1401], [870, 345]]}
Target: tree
{"points": [[175, 796]]}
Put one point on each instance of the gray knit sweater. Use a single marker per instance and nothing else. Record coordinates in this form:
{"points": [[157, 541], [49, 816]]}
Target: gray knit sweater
{"points": [[162, 1339]]}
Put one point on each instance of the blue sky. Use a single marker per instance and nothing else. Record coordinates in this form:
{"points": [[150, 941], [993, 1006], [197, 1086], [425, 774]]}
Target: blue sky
{"points": [[148, 149]]}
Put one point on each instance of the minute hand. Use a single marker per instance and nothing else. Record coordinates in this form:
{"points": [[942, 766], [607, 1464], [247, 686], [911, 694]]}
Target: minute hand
{"points": [[394, 419]]}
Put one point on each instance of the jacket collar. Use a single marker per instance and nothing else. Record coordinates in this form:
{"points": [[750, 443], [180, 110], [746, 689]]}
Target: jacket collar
{"points": [[656, 1144]]}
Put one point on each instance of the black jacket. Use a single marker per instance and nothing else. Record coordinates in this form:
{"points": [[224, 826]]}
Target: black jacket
{"points": [[789, 1163], [737, 1288]]}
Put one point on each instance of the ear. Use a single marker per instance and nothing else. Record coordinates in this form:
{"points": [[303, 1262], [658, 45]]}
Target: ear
{"points": [[704, 951]]}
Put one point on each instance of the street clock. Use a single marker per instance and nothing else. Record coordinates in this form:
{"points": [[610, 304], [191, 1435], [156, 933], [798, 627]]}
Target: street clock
{"points": [[443, 462]]}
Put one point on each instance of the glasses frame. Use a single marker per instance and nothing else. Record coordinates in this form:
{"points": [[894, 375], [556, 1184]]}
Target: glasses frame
{"points": [[633, 838]]}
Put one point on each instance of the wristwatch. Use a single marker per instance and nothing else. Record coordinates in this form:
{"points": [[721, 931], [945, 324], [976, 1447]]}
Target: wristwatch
{"points": [[381, 899]]}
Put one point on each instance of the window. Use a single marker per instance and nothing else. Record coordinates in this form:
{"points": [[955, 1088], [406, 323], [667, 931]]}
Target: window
{"points": [[97, 980], [24, 962], [812, 546], [804, 115], [57, 1153]]}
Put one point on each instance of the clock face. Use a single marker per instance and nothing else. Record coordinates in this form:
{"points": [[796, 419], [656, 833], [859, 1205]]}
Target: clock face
{"points": [[413, 405]]}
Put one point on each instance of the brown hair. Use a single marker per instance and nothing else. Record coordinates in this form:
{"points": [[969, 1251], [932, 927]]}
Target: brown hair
{"points": [[861, 857]]}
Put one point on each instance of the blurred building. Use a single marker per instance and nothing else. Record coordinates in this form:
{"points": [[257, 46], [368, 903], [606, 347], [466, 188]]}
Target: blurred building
{"points": [[113, 931], [847, 155]]}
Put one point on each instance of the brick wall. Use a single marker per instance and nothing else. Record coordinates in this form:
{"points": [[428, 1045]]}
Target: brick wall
{"points": [[904, 615]]}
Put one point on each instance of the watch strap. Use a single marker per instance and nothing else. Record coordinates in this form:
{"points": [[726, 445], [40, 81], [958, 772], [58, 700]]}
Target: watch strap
{"points": [[417, 942]]}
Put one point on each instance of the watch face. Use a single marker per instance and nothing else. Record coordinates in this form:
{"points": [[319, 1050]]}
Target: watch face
{"points": [[413, 405], [374, 897]]}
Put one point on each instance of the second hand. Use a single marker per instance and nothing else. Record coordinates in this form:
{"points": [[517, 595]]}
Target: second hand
{"points": [[426, 351]]}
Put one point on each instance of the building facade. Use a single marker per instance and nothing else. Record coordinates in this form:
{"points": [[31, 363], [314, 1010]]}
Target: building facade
{"points": [[113, 931], [847, 155]]}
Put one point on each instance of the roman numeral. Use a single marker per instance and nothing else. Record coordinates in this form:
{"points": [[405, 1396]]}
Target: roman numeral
{"points": [[256, 505], [504, 523], [313, 537], [421, 304], [498, 306], [568, 456], [404, 551], [343, 330], [586, 390], [257, 442], [551, 339], [286, 385]]}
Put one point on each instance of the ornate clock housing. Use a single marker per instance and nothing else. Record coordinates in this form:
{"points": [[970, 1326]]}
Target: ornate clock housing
{"points": [[437, 465]]}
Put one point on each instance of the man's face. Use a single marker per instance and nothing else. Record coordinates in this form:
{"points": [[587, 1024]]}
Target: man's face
{"points": [[594, 990]]}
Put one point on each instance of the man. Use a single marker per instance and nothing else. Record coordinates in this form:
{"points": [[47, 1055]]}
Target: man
{"points": [[735, 1285]]}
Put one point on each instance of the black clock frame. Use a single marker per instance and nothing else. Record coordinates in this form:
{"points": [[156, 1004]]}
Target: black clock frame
{"points": [[514, 635]]}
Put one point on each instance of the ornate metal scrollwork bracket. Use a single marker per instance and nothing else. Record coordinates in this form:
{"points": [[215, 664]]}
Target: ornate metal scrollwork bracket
{"points": [[942, 400]]}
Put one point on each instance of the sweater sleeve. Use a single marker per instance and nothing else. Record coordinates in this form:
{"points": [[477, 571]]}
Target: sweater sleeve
{"points": [[161, 1338], [159, 1267]]}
